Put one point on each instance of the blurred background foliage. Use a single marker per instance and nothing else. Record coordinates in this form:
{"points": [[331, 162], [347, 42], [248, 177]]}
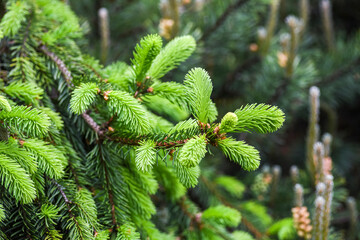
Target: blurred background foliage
{"points": [[244, 45]]}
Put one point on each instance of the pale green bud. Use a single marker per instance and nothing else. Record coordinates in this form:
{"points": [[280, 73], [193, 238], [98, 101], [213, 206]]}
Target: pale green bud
{"points": [[228, 122]]}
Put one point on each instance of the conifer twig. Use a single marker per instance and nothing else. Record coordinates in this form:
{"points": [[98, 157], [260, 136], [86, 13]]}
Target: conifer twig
{"points": [[231, 8], [60, 64], [90, 121]]}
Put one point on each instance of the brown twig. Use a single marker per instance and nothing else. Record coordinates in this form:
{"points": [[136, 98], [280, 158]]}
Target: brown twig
{"points": [[231, 8], [59, 63], [91, 122], [67, 202]]}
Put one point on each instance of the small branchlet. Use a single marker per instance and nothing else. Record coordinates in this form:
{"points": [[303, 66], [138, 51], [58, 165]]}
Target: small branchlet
{"points": [[318, 218], [327, 140], [312, 134], [325, 8], [296, 25], [104, 33], [328, 195], [299, 195], [270, 26], [304, 7], [319, 161], [276, 172], [294, 174]]}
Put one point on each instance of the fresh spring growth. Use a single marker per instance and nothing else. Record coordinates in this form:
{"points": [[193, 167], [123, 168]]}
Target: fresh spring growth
{"points": [[299, 195], [319, 161], [312, 135], [326, 14], [327, 140], [328, 195], [294, 174], [228, 122], [91, 148], [318, 218]]}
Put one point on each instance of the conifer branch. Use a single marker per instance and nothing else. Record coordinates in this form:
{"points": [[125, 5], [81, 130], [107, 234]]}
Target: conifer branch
{"points": [[91, 122], [59, 63], [68, 205], [220, 21], [108, 188]]}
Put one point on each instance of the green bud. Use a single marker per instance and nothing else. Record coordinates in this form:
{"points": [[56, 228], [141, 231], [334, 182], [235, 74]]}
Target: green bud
{"points": [[228, 122]]}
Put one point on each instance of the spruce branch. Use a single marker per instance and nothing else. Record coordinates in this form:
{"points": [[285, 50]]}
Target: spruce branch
{"points": [[13, 19], [82, 97], [260, 118], [4, 104], [16, 180], [91, 122], [30, 121], [59, 63], [108, 187], [239, 152], [144, 54], [145, 156], [175, 52], [50, 159], [199, 88]]}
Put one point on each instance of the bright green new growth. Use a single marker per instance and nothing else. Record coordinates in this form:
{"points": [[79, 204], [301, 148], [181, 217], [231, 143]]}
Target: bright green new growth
{"points": [[2, 212], [240, 235], [50, 159], [245, 155], [27, 92], [144, 54], [54, 117], [187, 176], [222, 215], [24, 158], [15, 179], [232, 185], [145, 156], [175, 52], [128, 232], [123, 147], [24, 119], [12, 20], [260, 118], [49, 213], [83, 96], [192, 152], [4, 104], [199, 87], [228, 122], [129, 111]]}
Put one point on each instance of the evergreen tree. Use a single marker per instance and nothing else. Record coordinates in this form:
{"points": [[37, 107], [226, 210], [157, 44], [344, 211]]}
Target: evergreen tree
{"points": [[87, 150]]}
